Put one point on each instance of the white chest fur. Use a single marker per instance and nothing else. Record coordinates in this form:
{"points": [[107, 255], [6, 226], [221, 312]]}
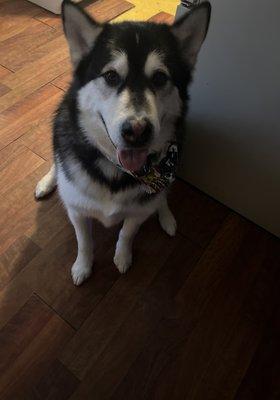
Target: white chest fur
{"points": [[94, 200]]}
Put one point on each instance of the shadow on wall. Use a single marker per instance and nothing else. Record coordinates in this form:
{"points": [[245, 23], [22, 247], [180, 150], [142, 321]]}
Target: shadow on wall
{"points": [[216, 153]]}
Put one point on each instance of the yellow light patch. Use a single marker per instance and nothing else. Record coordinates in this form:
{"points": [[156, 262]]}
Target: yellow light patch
{"points": [[145, 9]]}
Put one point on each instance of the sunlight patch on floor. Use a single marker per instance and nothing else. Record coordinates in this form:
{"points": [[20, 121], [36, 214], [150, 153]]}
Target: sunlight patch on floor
{"points": [[145, 9]]}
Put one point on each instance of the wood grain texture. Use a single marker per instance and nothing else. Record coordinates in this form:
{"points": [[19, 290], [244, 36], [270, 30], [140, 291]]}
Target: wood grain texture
{"points": [[29, 113], [25, 356], [4, 72], [56, 384], [106, 10], [3, 89], [262, 377], [196, 317], [22, 248], [112, 364], [38, 138], [16, 166], [101, 10], [15, 51], [200, 217], [203, 348], [15, 15], [63, 81], [18, 210], [162, 18]]}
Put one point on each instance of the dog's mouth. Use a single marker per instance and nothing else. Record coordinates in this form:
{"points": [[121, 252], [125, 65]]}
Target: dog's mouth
{"points": [[132, 159]]}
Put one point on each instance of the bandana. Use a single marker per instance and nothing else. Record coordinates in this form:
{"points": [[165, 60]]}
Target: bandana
{"points": [[159, 171]]}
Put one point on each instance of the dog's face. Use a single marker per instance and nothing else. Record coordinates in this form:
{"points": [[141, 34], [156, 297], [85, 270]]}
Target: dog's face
{"points": [[132, 80]]}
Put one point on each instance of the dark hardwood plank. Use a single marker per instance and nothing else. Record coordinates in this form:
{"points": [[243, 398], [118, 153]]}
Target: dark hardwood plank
{"points": [[227, 369], [198, 216], [19, 332], [112, 364], [262, 378], [37, 273], [51, 219], [108, 316], [25, 250], [18, 209], [216, 324], [16, 168], [56, 384], [25, 359], [72, 303]]}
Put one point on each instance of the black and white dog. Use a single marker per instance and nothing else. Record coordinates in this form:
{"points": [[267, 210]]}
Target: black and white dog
{"points": [[118, 128]]}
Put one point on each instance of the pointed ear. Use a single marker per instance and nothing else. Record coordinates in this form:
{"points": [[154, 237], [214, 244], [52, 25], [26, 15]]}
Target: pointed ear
{"points": [[80, 30], [191, 31]]}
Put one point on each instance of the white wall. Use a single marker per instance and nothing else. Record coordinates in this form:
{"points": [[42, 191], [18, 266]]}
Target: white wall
{"points": [[232, 149], [51, 5]]}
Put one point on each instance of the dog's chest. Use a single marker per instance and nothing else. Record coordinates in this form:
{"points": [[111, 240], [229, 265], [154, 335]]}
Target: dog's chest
{"points": [[95, 200]]}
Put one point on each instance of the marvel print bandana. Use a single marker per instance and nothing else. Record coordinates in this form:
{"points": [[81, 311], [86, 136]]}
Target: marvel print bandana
{"points": [[156, 174]]}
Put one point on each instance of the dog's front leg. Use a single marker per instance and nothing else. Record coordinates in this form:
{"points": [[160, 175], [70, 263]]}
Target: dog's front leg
{"points": [[82, 267], [123, 254]]}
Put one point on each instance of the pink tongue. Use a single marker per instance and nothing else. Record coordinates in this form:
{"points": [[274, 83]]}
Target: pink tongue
{"points": [[132, 159]]}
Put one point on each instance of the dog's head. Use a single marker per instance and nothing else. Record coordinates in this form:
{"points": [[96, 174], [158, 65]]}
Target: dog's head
{"points": [[131, 79]]}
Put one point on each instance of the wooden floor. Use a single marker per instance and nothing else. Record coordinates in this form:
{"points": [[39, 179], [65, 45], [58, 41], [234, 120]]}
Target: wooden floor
{"points": [[197, 317]]}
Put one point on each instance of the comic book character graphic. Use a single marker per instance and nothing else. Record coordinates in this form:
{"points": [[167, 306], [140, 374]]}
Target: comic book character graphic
{"points": [[159, 176]]}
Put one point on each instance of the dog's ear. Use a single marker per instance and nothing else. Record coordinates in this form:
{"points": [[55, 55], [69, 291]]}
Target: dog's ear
{"points": [[80, 30], [191, 30]]}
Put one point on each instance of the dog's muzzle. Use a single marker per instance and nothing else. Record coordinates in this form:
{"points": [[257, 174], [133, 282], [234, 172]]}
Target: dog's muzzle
{"points": [[137, 132]]}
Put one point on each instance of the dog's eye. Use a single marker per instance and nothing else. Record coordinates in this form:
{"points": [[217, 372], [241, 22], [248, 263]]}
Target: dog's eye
{"points": [[159, 79], [112, 78]]}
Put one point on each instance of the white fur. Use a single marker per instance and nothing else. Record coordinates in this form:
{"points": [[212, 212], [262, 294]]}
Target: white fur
{"points": [[82, 267], [96, 97], [123, 254], [154, 63], [119, 63], [83, 199]]}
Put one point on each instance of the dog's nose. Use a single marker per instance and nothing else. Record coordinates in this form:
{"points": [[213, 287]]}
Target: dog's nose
{"points": [[137, 132]]}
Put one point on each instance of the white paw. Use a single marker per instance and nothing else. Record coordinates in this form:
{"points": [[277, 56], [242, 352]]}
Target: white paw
{"points": [[123, 260], [80, 272], [44, 187], [168, 223]]}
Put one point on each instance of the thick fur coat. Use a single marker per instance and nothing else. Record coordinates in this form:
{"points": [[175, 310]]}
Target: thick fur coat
{"points": [[127, 99]]}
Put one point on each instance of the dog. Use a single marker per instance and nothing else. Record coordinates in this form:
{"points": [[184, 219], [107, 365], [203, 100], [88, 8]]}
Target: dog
{"points": [[119, 129]]}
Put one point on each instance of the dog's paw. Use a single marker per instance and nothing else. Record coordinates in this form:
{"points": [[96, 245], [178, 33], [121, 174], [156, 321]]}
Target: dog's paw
{"points": [[123, 260], [80, 273], [168, 223]]}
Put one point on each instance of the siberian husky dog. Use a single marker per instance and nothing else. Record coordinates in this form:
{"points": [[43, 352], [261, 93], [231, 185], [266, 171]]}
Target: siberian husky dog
{"points": [[118, 129]]}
